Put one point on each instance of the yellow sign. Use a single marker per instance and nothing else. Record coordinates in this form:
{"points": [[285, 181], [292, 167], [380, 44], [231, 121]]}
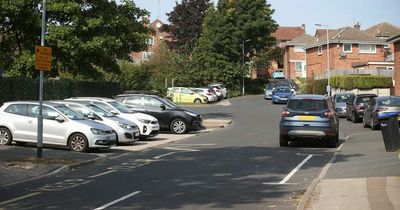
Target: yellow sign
{"points": [[42, 58]]}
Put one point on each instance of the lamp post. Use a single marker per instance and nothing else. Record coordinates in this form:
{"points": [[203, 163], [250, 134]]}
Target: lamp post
{"points": [[243, 42], [328, 88]]}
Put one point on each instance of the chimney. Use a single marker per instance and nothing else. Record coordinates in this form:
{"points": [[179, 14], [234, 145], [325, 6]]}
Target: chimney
{"points": [[357, 26], [303, 26]]}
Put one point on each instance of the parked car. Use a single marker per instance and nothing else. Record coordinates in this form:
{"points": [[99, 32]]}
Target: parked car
{"points": [[286, 84], [224, 91], [148, 125], [340, 101], [268, 90], [378, 106], [278, 74], [127, 131], [170, 116], [61, 126], [185, 95], [281, 95], [309, 116], [208, 92], [356, 105]]}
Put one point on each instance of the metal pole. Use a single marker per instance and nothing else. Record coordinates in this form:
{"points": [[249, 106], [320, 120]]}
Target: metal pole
{"points": [[243, 67], [329, 69], [40, 118]]}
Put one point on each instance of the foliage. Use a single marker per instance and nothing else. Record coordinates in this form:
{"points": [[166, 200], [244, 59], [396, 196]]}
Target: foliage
{"points": [[186, 21], [361, 82]]}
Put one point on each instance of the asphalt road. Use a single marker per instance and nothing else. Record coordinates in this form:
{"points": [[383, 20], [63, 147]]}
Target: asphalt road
{"points": [[238, 167]]}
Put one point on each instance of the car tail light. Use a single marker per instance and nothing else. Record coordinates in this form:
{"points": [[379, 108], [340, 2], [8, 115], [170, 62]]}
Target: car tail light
{"points": [[382, 109], [329, 114], [285, 113]]}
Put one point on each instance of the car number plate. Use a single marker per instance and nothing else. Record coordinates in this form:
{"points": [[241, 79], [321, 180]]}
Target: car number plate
{"points": [[307, 118], [283, 99]]}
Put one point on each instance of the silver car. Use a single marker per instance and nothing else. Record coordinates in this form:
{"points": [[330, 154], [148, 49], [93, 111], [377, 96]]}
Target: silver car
{"points": [[340, 100], [61, 126], [127, 131]]}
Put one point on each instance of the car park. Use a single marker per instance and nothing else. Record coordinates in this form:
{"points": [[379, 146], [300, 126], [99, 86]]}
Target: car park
{"points": [[340, 101], [356, 105], [185, 95], [127, 131], [309, 116], [281, 95], [278, 74], [221, 87], [148, 125], [61, 126], [208, 92], [169, 115], [268, 90], [379, 106]]}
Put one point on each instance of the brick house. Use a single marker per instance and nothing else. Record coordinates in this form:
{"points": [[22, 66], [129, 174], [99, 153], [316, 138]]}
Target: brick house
{"points": [[153, 43], [349, 48], [395, 41], [294, 60], [282, 35], [384, 31]]}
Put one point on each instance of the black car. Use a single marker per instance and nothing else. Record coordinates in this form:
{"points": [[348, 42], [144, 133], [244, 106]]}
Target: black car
{"points": [[356, 105], [309, 116], [170, 116]]}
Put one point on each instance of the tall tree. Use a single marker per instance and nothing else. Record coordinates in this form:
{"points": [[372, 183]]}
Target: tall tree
{"points": [[186, 22]]}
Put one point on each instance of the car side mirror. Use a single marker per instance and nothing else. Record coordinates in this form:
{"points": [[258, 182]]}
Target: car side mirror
{"points": [[162, 106], [114, 112], [59, 119]]}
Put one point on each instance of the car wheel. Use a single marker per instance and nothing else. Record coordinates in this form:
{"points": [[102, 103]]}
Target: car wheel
{"points": [[333, 141], [5, 136], [354, 118], [179, 126], [78, 143], [283, 141], [197, 101]]}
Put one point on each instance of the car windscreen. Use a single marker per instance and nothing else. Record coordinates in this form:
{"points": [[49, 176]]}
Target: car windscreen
{"points": [[71, 114], [283, 90], [364, 100], [100, 111], [343, 98], [307, 104], [270, 87], [392, 101], [120, 107]]}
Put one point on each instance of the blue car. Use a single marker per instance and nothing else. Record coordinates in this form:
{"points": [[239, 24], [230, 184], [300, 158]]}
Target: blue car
{"points": [[281, 95]]}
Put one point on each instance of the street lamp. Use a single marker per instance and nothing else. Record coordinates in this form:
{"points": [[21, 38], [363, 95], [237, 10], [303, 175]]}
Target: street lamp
{"points": [[327, 54], [243, 42]]}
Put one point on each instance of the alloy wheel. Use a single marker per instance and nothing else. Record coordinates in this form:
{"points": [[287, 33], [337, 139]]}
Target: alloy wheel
{"points": [[4, 137], [78, 143], [179, 126]]}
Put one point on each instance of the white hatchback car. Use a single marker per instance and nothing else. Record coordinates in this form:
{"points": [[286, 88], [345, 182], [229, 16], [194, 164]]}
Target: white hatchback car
{"points": [[127, 131], [148, 125], [61, 126], [222, 88], [207, 92]]}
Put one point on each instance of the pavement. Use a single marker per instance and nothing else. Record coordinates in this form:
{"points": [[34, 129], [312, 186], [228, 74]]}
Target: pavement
{"points": [[353, 180]]}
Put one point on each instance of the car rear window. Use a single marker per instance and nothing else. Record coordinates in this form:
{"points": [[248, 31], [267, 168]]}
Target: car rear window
{"points": [[364, 100], [343, 98], [307, 104], [389, 102]]}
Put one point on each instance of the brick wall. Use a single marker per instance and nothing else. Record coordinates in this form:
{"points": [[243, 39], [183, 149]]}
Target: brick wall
{"points": [[290, 68], [397, 68]]}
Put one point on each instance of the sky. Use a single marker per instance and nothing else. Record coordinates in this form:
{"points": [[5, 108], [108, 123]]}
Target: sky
{"points": [[334, 13]]}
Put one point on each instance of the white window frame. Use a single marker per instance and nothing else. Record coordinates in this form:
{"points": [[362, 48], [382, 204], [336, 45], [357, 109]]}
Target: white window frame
{"points": [[369, 51], [150, 41], [319, 50], [146, 55], [348, 51], [301, 66], [299, 48]]}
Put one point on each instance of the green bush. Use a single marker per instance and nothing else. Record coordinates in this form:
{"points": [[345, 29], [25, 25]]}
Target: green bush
{"points": [[361, 82], [320, 86]]}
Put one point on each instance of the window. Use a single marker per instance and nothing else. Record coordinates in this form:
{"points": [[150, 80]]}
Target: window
{"points": [[19, 109], [319, 50], [151, 102], [146, 55], [135, 101], [150, 41], [299, 49], [298, 66], [367, 48], [347, 48]]}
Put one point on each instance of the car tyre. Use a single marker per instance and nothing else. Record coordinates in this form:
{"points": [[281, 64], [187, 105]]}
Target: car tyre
{"points": [[197, 101], [333, 141], [283, 141], [78, 143], [5, 136], [354, 118], [179, 126]]}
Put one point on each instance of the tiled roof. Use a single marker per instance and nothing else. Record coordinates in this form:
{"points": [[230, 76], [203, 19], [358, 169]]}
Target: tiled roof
{"points": [[394, 39], [322, 32], [285, 33], [383, 30], [303, 39]]}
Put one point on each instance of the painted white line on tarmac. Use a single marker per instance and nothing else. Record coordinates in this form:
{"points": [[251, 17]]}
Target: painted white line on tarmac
{"points": [[182, 149], [116, 201], [195, 144], [118, 156], [160, 156], [19, 198], [295, 170], [101, 174]]}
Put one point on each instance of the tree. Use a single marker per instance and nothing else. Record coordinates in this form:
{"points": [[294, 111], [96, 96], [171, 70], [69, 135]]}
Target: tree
{"points": [[186, 22]]}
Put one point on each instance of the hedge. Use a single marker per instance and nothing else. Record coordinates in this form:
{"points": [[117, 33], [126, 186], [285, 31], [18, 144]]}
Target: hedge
{"points": [[17, 88], [361, 82]]}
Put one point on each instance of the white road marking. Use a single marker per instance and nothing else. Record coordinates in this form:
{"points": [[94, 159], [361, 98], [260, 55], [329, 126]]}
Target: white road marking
{"points": [[160, 156], [116, 201], [182, 149], [295, 170], [309, 154], [19, 198], [195, 144], [118, 156], [101, 174]]}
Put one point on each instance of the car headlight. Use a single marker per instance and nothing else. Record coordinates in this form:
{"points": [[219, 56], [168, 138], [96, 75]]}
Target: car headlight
{"points": [[191, 114], [125, 126], [144, 121], [97, 131]]}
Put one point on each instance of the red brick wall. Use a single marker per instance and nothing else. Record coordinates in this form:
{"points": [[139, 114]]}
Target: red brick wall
{"points": [[290, 69], [397, 68]]}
